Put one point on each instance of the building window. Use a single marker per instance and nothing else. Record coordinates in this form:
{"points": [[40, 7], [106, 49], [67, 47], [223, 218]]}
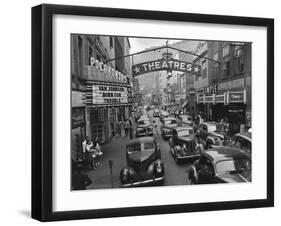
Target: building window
{"points": [[239, 60], [80, 54], [111, 42], [216, 66], [226, 68], [90, 55], [226, 51], [204, 69]]}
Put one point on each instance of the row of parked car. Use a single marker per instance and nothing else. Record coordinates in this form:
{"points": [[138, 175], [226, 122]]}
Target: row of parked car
{"points": [[215, 158]]}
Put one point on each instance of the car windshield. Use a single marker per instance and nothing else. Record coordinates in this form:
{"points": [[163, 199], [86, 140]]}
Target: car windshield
{"points": [[171, 121], [219, 127], [143, 122], [134, 148], [212, 128], [233, 165], [185, 118], [185, 133], [148, 146]]}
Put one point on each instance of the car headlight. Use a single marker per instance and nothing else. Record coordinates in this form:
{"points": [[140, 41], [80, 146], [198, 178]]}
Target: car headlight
{"points": [[158, 169]]}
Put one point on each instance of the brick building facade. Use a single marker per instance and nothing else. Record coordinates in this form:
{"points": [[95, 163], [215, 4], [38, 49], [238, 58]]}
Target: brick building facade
{"points": [[100, 87], [224, 88]]}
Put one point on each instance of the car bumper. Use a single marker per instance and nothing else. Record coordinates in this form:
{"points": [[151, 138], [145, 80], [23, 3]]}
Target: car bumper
{"points": [[180, 157], [143, 134], [144, 182]]}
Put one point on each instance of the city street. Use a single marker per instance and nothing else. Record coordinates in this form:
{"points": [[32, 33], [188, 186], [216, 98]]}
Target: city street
{"points": [[115, 150], [200, 89]]}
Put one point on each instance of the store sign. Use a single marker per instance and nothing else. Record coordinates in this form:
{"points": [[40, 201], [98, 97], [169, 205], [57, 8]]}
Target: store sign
{"points": [[238, 83], [166, 64], [236, 97], [192, 92], [107, 94], [108, 70], [219, 98]]}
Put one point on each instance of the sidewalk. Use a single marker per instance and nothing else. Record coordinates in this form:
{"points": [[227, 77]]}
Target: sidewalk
{"points": [[114, 151]]}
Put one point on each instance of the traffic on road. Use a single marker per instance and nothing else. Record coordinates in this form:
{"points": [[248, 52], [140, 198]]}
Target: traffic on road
{"points": [[157, 147]]}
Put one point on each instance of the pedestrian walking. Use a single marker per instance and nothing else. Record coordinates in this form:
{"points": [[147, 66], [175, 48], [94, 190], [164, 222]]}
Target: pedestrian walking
{"points": [[84, 147], [131, 128], [127, 127], [199, 146], [89, 155], [119, 129], [98, 153], [155, 128]]}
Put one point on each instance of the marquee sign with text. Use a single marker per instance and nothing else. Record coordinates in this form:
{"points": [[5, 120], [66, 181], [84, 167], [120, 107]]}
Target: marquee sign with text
{"points": [[165, 64], [105, 94]]}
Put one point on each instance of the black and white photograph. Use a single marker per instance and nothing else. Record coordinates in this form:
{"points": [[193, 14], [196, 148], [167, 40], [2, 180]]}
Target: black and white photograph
{"points": [[159, 112]]}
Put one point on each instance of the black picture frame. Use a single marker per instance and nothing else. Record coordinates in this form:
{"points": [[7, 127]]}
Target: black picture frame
{"points": [[42, 107]]}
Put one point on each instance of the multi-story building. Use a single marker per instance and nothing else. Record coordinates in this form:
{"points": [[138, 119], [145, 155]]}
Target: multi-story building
{"points": [[224, 89], [101, 86]]}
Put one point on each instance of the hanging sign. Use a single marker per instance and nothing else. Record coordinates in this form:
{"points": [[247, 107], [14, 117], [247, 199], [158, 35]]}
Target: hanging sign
{"points": [[106, 94], [166, 64]]}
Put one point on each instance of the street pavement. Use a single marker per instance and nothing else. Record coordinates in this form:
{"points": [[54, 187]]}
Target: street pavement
{"points": [[175, 174]]}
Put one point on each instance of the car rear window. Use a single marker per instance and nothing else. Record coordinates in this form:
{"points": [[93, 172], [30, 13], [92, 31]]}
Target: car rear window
{"points": [[133, 148], [170, 122], [149, 145], [143, 122], [233, 165], [185, 133]]}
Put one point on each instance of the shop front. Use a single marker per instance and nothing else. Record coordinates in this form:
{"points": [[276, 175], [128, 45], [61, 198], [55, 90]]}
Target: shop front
{"points": [[107, 103], [78, 125], [229, 106]]}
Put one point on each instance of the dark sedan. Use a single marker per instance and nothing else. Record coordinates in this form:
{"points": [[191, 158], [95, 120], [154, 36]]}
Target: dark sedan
{"points": [[167, 127], [221, 165], [182, 144], [144, 128], [211, 134], [144, 165]]}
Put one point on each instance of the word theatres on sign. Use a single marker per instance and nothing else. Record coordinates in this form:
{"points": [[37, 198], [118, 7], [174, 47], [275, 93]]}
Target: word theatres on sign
{"points": [[166, 64]]}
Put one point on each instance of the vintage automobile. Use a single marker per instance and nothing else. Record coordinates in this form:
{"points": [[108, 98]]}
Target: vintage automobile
{"points": [[163, 115], [144, 128], [167, 127], [144, 165], [156, 112], [221, 165], [186, 119], [242, 141], [211, 134], [182, 144]]}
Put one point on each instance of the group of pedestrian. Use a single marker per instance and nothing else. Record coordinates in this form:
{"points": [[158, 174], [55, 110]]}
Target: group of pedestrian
{"points": [[127, 126], [92, 153]]}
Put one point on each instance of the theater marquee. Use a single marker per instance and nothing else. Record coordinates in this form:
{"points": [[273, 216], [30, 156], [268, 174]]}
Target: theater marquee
{"points": [[166, 64], [106, 94]]}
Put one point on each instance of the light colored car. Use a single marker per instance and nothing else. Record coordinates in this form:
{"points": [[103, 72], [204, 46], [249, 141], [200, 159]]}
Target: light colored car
{"points": [[186, 119], [242, 141]]}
